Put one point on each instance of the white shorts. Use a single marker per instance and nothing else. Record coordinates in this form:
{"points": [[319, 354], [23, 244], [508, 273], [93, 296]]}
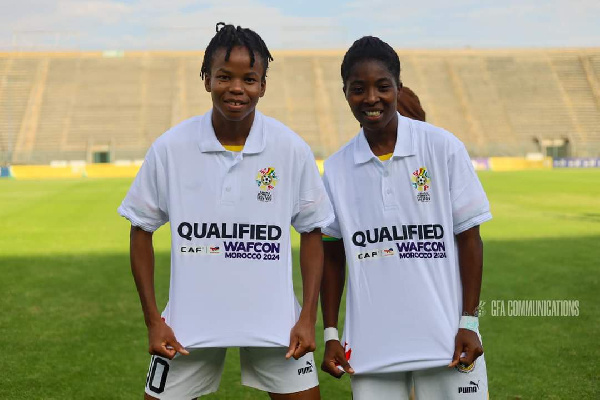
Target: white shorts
{"points": [[433, 383], [199, 373]]}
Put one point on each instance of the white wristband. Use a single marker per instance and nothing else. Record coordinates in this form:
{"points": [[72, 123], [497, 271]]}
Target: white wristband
{"points": [[331, 334], [469, 322]]}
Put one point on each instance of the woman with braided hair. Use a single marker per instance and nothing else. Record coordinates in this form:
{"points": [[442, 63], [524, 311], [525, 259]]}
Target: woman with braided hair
{"points": [[231, 182]]}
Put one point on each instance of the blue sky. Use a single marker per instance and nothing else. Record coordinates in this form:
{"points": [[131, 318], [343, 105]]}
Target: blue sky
{"points": [[297, 24]]}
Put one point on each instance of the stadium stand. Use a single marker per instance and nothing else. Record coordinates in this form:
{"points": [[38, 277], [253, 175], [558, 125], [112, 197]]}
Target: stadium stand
{"points": [[105, 107]]}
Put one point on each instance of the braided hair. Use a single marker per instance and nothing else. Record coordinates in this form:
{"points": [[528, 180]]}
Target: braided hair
{"points": [[371, 48], [229, 36]]}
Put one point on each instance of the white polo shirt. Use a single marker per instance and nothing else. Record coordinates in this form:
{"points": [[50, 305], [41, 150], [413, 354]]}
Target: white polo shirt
{"points": [[230, 216], [398, 219]]}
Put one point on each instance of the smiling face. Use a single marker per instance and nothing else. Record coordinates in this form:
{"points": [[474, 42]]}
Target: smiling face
{"points": [[234, 85], [372, 92]]}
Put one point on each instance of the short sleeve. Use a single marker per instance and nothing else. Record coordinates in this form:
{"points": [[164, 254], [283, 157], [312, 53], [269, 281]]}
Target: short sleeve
{"points": [[145, 203], [470, 206], [333, 229], [312, 208]]}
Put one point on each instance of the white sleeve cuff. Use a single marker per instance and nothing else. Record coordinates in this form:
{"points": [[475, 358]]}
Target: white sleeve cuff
{"points": [[148, 227], [471, 222], [331, 232], [320, 224]]}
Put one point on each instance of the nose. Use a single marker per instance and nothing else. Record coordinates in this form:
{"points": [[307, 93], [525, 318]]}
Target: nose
{"points": [[372, 96], [236, 86]]}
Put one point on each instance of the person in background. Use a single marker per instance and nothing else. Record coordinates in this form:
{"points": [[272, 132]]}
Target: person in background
{"points": [[409, 104]]}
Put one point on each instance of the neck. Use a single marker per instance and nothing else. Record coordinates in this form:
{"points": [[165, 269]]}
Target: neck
{"points": [[383, 141], [233, 133]]}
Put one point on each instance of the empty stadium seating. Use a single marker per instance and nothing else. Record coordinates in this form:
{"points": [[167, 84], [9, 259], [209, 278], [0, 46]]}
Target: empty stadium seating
{"points": [[67, 106]]}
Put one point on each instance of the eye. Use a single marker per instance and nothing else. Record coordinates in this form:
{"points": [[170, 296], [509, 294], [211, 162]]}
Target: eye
{"points": [[384, 87], [223, 77], [356, 90], [250, 80]]}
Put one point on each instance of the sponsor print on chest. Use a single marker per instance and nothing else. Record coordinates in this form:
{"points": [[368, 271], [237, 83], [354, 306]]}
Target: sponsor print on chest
{"points": [[408, 241], [252, 241]]}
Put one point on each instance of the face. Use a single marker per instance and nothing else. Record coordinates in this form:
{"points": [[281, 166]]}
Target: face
{"points": [[372, 93], [235, 87]]}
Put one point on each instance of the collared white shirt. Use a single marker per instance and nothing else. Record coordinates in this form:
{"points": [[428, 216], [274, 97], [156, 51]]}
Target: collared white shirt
{"points": [[398, 219], [230, 216]]}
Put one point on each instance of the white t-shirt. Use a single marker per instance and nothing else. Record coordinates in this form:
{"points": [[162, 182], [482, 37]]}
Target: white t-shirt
{"points": [[398, 220], [230, 215]]}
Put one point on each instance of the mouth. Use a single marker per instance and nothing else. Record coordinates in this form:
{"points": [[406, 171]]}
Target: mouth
{"points": [[373, 115], [235, 104]]}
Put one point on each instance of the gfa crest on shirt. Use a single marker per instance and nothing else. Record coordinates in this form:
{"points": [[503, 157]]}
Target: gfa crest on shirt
{"points": [[266, 179], [421, 182]]}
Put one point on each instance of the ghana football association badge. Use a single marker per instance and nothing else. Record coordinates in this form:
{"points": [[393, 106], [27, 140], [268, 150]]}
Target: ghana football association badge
{"points": [[421, 182], [266, 179]]}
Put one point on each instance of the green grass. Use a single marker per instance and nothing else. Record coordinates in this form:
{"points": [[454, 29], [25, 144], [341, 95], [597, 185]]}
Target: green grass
{"points": [[72, 326]]}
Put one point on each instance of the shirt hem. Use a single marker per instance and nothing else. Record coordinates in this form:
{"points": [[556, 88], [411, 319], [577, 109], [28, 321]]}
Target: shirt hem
{"points": [[403, 366], [204, 345]]}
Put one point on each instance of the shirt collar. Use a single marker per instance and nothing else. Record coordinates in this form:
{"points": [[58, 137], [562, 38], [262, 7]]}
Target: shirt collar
{"points": [[405, 145], [255, 142]]}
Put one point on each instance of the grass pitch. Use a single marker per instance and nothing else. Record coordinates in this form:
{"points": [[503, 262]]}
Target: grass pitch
{"points": [[72, 326]]}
